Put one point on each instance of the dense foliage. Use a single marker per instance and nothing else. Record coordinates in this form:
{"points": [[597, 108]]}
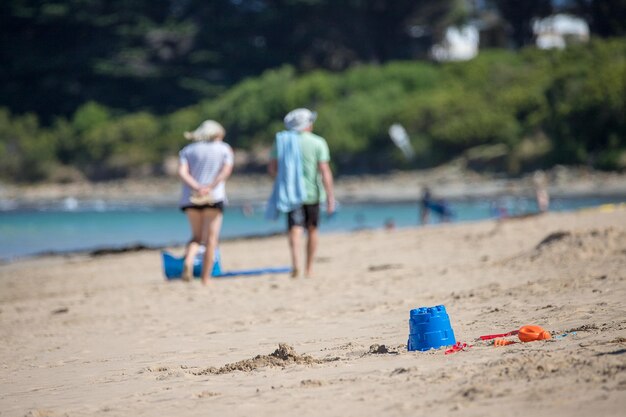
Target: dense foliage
{"points": [[503, 110], [161, 55]]}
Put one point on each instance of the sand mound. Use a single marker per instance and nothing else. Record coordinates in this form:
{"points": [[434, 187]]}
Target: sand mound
{"points": [[565, 245], [383, 350], [285, 355]]}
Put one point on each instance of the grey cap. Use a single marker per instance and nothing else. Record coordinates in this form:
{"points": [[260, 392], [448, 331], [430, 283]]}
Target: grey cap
{"points": [[300, 119]]}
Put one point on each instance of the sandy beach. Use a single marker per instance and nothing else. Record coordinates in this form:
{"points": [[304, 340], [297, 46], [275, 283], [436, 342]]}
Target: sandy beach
{"points": [[108, 335]]}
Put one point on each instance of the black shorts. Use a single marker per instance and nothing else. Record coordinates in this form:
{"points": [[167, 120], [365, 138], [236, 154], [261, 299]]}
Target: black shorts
{"points": [[306, 216], [218, 206]]}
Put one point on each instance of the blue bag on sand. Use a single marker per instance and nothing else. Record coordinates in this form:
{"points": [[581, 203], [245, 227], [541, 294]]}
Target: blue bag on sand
{"points": [[173, 268]]}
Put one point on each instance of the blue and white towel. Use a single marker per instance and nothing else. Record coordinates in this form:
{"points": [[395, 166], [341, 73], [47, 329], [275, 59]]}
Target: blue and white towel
{"points": [[288, 193]]}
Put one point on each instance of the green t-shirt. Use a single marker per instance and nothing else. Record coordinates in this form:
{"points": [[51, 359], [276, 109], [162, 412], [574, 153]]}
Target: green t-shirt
{"points": [[314, 150]]}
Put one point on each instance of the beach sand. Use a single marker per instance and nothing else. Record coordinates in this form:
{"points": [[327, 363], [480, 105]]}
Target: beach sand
{"points": [[107, 335]]}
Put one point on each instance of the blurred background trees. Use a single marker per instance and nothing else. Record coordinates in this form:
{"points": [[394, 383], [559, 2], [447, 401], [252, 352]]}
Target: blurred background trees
{"points": [[103, 89], [159, 55]]}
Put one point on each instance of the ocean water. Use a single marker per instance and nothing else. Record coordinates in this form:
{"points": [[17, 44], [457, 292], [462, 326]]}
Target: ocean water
{"points": [[72, 225]]}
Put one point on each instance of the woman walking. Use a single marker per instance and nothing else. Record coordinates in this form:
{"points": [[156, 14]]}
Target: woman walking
{"points": [[205, 164]]}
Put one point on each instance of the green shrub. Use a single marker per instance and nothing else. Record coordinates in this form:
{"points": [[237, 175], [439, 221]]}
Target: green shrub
{"points": [[540, 106], [26, 150]]}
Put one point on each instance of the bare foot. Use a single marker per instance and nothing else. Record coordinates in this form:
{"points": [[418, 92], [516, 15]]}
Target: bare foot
{"points": [[187, 274], [295, 273], [206, 281]]}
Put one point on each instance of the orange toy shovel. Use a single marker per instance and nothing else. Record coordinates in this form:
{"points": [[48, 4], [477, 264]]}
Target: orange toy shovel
{"points": [[502, 342]]}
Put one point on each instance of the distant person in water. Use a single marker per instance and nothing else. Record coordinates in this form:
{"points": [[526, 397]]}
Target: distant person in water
{"points": [[541, 191], [498, 209], [299, 164], [439, 207], [204, 166]]}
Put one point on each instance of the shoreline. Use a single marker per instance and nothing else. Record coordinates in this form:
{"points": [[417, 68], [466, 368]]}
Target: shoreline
{"points": [[135, 247], [402, 188], [447, 182], [99, 251]]}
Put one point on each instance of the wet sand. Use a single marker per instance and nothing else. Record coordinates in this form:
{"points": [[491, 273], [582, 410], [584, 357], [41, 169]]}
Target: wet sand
{"points": [[107, 335]]}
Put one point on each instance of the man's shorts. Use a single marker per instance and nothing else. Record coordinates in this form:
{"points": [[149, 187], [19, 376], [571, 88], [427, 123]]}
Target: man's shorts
{"points": [[307, 216]]}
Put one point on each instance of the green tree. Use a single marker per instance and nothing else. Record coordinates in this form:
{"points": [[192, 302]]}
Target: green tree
{"points": [[161, 55], [606, 17], [519, 15], [26, 150]]}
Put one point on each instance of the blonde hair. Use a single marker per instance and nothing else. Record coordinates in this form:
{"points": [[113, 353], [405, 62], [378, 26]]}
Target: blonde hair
{"points": [[209, 130]]}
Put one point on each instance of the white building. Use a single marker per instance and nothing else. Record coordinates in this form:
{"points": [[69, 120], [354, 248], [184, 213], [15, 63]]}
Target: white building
{"points": [[558, 30], [459, 44]]}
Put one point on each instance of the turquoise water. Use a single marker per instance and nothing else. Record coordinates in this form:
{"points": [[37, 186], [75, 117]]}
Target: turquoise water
{"points": [[87, 226]]}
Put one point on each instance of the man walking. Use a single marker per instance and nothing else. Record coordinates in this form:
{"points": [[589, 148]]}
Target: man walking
{"points": [[303, 179]]}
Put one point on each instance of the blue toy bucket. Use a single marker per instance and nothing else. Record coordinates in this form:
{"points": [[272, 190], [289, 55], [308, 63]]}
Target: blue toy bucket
{"points": [[429, 329]]}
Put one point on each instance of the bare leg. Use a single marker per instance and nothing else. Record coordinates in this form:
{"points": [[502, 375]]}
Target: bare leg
{"points": [[195, 222], [213, 219], [295, 233], [190, 255], [424, 215], [311, 247]]}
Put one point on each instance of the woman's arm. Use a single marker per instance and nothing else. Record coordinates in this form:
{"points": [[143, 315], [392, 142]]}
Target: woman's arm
{"points": [[185, 175], [222, 176]]}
